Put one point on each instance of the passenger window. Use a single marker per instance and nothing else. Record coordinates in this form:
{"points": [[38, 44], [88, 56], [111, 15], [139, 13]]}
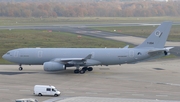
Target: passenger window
{"points": [[48, 89]]}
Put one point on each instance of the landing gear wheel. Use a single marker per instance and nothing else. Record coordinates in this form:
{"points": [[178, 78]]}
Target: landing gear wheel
{"points": [[76, 71], [90, 69], [82, 71], [84, 68], [20, 68], [56, 95], [39, 94]]}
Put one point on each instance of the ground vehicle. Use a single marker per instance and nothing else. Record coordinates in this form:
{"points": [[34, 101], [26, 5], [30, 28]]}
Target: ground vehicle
{"points": [[41, 90], [26, 100]]}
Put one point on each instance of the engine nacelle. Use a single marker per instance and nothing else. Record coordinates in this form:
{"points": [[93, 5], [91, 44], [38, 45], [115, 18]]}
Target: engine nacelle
{"points": [[53, 66]]}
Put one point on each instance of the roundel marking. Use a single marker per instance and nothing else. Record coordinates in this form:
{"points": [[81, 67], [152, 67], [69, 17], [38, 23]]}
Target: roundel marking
{"points": [[157, 33]]}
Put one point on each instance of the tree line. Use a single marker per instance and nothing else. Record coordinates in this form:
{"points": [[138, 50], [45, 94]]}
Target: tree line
{"points": [[89, 9]]}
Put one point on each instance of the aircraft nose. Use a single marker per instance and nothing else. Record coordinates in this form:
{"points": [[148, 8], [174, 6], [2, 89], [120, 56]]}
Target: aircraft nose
{"points": [[4, 56]]}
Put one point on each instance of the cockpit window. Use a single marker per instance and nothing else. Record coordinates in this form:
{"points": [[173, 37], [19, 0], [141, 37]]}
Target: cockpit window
{"points": [[54, 90], [8, 53]]}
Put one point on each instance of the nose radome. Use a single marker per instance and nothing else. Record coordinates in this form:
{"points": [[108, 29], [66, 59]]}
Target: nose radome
{"points": [[4, 56]]}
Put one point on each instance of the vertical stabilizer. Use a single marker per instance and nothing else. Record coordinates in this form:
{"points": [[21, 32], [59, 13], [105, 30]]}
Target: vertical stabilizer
{"points": [[158, 37]]}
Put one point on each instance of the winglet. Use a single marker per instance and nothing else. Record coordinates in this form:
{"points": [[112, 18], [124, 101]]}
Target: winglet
{"points": [[158, 37], [88, 57], [127, 46]]}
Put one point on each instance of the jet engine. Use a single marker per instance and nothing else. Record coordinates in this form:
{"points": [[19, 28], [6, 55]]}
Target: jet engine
{"points": [[53, 66]]}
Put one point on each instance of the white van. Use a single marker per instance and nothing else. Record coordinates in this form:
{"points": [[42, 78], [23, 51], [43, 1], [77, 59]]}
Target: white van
{"points": [[26, 100], [41, 90]]}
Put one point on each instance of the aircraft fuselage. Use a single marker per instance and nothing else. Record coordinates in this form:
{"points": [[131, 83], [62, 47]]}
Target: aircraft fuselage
{"points": [[107, 56]]}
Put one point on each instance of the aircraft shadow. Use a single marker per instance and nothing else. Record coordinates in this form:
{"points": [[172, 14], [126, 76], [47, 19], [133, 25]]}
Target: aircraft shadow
{"points": [[16, 73], [64, 72], [158, 68]]}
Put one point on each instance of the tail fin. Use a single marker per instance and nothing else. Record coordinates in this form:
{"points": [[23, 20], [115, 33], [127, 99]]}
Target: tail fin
{"points": [[158, 37]]}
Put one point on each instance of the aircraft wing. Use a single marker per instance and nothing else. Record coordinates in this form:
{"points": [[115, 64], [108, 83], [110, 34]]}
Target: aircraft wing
{"points": [[73, 60]]}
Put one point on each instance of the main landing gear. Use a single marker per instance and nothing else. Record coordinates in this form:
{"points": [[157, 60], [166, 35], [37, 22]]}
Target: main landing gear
{"points": [[20, 68], [83, 70]]}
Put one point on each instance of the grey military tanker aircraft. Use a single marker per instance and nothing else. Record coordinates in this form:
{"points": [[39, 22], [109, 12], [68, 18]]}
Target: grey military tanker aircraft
{"points": [[56, 59]]}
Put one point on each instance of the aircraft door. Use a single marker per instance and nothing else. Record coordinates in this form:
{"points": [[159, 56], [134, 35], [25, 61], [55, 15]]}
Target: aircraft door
{"points": [[40, 54], [131, 53], [16, 54], [48, 91]]}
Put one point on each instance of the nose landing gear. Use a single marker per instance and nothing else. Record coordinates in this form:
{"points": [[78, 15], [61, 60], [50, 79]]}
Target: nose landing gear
{"points": [[20, 68]]}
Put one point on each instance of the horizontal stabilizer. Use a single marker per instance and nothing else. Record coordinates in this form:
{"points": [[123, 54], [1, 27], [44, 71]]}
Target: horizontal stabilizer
{"points": [[155, 52], [168, 48]]}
